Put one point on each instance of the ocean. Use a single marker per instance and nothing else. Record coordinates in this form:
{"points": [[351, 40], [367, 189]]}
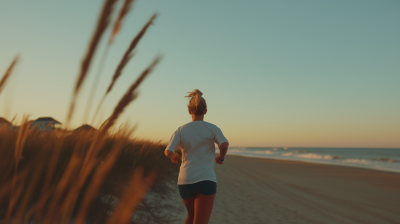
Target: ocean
{"points": [[383, 159]]}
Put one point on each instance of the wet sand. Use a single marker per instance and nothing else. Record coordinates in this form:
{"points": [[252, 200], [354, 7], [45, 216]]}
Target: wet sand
{"points": [[252, 190]]}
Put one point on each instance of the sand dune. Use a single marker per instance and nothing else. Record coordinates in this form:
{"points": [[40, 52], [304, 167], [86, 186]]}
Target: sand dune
{"points": [[254, 190]]}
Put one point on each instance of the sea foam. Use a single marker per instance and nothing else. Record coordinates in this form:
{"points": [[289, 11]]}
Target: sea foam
{"points": [[377, 159]]}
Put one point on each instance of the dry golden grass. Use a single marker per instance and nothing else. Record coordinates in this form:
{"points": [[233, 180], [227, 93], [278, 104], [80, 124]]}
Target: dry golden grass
{"points": [[122, 13], [124, 61], [102, 24], [117, 27], [128, 54], [8, 73], [98, 176], [43, 187]]}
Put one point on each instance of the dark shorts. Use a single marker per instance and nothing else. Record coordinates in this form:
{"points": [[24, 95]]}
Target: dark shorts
{"points": [[206, 187]]}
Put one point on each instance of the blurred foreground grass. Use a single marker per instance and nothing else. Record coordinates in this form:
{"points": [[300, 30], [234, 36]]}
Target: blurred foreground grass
{"points": [[39, 183], [98, 176]]}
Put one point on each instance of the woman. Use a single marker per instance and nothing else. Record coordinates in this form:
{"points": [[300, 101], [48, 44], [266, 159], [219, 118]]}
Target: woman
{"points": [[197, 182]]}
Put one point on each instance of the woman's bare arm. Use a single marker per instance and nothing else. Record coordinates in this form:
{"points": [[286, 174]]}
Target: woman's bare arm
{"points": [[223, 148]]}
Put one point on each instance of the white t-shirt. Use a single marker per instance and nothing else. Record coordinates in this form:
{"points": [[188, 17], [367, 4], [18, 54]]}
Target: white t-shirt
{"points": [[196, 141]]}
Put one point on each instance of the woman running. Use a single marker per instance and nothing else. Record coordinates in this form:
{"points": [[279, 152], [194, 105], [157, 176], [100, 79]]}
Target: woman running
{"points": [[197, 182]]}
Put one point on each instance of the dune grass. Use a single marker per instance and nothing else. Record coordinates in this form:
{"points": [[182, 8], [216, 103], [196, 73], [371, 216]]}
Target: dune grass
{"points": [[40, 174], [124, 61], [117, 27], [97, 176], [7, 75], [101, 27]]}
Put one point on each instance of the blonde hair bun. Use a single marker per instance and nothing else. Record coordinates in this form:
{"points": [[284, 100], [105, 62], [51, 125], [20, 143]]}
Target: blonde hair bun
{"points": [[197, 104]]}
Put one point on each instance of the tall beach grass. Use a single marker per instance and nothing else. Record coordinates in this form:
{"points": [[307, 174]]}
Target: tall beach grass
{"points": [[97, 176], [40, 173]]}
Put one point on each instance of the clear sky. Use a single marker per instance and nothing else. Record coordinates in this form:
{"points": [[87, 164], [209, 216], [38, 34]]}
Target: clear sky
{"points": [[273, 73]]}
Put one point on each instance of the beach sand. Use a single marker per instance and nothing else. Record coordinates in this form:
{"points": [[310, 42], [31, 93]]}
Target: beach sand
{"points": [[253, 190]]}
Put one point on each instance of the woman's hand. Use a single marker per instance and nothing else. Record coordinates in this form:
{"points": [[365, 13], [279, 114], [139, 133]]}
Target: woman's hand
{"points": [[217, 160], [175, 158]]}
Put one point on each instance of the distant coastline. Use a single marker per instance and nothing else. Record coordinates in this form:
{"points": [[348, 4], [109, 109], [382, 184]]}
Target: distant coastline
{"points": [[382, 159]]}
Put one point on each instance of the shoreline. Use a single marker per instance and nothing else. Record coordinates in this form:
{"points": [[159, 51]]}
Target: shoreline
{"points": [[319, 162]]}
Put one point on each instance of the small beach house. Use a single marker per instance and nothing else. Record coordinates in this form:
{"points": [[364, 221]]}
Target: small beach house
{"points": [[46, 124], [85, 127]]}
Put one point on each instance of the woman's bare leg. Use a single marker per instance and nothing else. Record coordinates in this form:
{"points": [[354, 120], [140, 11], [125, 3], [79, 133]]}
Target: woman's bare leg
{"points": [[203, 205], [190, 209]]}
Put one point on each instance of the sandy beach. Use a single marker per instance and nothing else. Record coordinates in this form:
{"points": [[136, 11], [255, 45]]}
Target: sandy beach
{"points": [[252, 190]]}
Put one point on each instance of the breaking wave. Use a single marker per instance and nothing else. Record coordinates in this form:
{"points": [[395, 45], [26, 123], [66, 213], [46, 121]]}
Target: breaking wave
{"points": [[378, 159]]}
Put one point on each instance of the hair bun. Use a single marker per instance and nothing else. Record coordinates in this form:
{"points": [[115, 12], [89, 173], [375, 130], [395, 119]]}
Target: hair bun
{"points": [[197, 103], [198, 92], [195, 93]]}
